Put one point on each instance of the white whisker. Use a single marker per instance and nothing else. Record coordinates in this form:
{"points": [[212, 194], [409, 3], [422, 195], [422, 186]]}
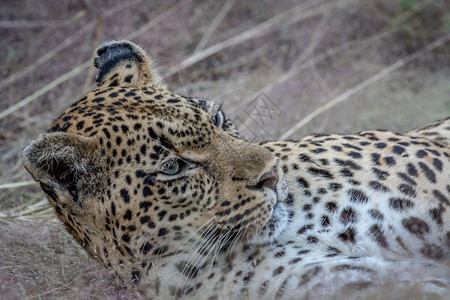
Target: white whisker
{"points": [[201, 79], [235, 239], [227, 92], [182, 84], [222, 242], [192, 235], [198, 261]]}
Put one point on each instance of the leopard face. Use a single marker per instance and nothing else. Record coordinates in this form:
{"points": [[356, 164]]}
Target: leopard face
{"points": [[137, 171]]}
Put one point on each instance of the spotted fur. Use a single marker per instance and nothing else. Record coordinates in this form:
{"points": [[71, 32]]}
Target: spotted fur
{"points": [[161, 188]]}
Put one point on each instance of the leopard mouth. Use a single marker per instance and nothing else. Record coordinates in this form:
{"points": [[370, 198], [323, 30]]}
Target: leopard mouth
{"points": [[278, 222]]}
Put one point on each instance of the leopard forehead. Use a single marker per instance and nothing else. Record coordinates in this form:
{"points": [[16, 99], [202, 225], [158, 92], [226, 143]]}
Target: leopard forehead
{"points": [[126, 120], [127, 110]]}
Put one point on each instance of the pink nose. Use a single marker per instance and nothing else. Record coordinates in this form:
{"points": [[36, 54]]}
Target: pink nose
{"points": [[269, 179]]}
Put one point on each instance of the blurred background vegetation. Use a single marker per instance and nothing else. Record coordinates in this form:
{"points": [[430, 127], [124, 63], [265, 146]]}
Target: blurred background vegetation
{"points": [[280, 68]]}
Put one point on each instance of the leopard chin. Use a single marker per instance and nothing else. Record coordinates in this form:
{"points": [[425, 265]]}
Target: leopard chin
{"points": [[274, 228], [278, 222]]}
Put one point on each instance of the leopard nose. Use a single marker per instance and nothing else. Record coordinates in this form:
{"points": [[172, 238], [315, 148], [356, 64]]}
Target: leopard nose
{"points": [[269, 179]]}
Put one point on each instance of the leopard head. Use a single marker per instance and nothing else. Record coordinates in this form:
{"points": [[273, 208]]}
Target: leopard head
{"points": [[136, 172]]}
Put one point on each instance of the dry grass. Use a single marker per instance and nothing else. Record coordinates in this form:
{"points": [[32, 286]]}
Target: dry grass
{"points": [[298, 57]]}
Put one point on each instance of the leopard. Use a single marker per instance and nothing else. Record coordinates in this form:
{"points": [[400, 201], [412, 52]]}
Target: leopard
{"points": [[162, 188]]}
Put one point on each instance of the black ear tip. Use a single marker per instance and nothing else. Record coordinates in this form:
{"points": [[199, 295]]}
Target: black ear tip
{"points": [[114, 51], [123, 63], [114, 45]]}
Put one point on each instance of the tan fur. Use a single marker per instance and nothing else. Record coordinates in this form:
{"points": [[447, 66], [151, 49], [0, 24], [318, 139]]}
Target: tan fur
{"points": [[161, 188]]}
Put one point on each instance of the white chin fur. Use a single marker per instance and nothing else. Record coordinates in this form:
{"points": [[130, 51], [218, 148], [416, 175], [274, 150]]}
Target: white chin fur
{"points": [[274, 227], [278, 222]]}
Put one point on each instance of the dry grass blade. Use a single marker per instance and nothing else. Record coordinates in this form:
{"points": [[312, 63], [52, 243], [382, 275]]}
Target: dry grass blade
{"points": [[44, 89], [34, 24], [293, 15], [83, 66], [27, 212], [67, 42], [214, 24], [296, 68], [17, 184], [98, 35], [288, 75], [69, 284], [315, 39], [156, 20], [49, 55], [351, 48], [369, 81], [41, 23]]}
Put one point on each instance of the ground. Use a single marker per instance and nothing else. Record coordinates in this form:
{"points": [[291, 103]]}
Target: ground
{"points": [[271, 64]]}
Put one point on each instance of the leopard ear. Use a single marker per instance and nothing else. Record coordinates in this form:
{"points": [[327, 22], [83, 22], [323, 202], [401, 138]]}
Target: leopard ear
{"points": [[63, 163], [123, 63]]}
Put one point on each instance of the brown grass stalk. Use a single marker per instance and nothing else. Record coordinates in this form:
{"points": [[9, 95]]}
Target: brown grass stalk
{"points": [[291, 16], [64, 44], [366, 83], [14, 185], [83, 66], [350, 48], [214, 24]]}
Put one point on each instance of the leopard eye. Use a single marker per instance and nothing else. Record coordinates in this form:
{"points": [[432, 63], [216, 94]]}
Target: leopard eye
{"points": [[217, 119], [172, 167]]}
